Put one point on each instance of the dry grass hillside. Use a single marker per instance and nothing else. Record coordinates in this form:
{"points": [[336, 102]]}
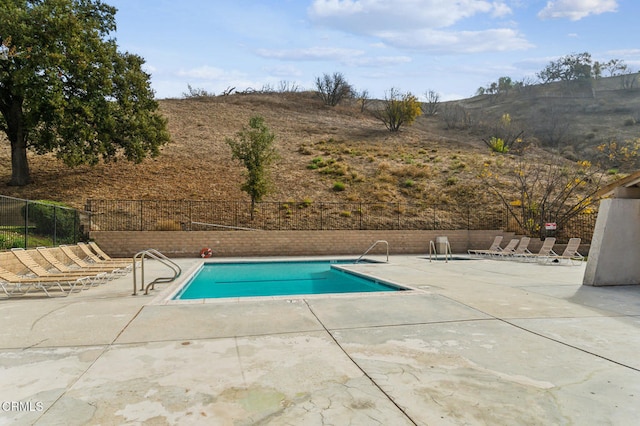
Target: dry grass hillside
{"points": [[318, 146]]}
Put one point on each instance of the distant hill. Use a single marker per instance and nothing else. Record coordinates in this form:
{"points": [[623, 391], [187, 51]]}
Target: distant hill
{"points": [[320, 145]]}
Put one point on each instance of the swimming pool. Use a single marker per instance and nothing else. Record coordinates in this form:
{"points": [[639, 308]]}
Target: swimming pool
{"points": [[223, 280]]}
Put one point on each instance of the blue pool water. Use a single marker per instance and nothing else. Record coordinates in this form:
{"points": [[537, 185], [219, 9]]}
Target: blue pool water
{"points": [[219, 280]]}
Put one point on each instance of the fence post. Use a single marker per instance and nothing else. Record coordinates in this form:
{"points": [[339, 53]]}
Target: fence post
{"points": [[55, 225], [26, 223]]}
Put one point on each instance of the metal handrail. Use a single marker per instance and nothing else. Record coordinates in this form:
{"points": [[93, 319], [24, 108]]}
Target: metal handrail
{"points": [[372, 246], [447, 251], [154, 254]]}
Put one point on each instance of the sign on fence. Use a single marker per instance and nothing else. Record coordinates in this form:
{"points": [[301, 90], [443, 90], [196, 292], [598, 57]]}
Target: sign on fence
{"points": [[550, 226]]}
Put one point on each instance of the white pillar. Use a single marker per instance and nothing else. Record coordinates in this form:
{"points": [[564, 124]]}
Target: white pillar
{"points": [[614, 256]]}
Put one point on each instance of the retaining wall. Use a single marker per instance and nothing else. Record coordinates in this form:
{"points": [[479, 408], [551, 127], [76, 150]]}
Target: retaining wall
{"points": [[287, 243]]}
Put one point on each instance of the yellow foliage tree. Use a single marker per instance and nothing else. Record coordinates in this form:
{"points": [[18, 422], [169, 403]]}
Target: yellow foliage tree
{"points": [[398, 109]]}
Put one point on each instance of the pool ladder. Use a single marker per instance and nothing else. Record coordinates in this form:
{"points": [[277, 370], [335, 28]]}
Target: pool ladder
{"points": [[372, 246], [434, 253], [153, 254]]}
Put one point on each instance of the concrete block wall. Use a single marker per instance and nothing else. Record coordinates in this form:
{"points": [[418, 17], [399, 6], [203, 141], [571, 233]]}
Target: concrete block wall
{"points": [[286, 243]]}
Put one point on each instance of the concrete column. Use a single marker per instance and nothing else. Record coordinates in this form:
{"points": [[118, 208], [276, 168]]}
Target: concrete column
{"points": [[614, 256]]}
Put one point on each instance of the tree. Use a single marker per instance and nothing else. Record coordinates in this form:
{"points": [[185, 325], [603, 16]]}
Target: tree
{"points": [[547, 192], [65, 88], [332, 89], [398, 109], [577, 66], [432, 104], [363, 99], [254, 147]]}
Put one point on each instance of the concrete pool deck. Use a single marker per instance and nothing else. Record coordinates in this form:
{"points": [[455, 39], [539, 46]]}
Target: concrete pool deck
{"points": [[478, 342]]}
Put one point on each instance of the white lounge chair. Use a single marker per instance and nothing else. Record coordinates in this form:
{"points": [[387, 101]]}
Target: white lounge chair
{"points": [[495, 246], [521, 249], [545, 251], [570, 253]]}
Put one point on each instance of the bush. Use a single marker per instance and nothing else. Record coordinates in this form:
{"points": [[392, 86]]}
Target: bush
{"points": [[398, 109], [11, 241], [498, 145], [50, 217], [339, 186]]}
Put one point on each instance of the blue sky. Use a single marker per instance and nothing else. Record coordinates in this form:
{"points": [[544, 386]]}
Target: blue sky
{"points": [[451, 47]]}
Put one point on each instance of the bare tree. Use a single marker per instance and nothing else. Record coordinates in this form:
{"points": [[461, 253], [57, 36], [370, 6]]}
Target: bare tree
{"points": [[432, 104], [551, 126], [456, 116], [363, 99], [553, 192], [285, 86], [332, 89]]}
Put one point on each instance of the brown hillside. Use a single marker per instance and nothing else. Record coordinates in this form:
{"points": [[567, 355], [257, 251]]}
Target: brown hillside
{"points": [[318, 146]]}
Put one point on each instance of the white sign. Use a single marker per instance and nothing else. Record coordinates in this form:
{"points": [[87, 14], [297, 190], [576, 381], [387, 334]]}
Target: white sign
{"points": [[550, 226]]}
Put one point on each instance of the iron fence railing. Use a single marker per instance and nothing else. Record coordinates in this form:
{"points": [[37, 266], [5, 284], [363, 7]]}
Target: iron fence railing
{"points": [[194, 215], [25, 223]]}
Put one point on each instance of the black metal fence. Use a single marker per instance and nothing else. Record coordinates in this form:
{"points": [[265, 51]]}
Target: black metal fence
{"points": [[25, 223], [191, 215]]}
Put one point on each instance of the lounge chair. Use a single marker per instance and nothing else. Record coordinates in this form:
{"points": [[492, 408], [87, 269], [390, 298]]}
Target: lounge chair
{"points": [[40, 271], [521, 249], [570, 253], [67, 250], [104, 256], [13, 284], [545, 251], [508, 250], [495, 246], [92, 258], [50, 257]]}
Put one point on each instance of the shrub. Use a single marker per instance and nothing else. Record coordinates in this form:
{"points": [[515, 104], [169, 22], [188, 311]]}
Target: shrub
{"points": [[451, 181], [11, 241], [51, 217], [629, 122], [398, 109], [339, 186], [498, 145], [316, 163]]}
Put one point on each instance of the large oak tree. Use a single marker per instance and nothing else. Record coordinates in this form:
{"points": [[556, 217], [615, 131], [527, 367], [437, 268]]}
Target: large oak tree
{"points": [[65, 87]]}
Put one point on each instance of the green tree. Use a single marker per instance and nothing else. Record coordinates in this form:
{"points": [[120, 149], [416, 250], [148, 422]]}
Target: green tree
{"points": [[254, 148], [398, 109], [577, 66], [65, 88]]}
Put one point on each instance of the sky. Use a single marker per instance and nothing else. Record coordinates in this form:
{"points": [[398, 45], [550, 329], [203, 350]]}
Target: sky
{"points": [[451, 47]]}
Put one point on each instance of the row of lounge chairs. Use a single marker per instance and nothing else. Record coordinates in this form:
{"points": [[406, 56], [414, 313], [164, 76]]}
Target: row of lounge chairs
{"points": [[64, 269], [517, 249]]}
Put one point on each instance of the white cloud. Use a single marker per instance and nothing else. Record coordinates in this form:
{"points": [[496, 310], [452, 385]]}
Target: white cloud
{"points": [[363, 16], [497, 40], [419, 24], [576, 9]]}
